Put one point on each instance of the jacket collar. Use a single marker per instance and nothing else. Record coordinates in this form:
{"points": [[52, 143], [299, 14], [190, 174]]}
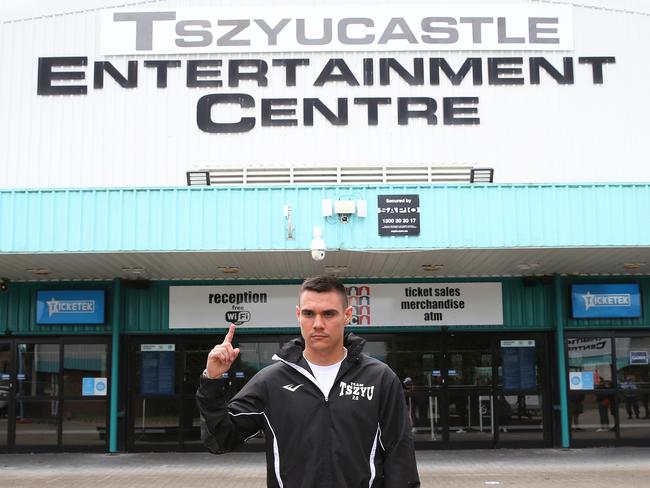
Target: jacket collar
{"points": [[292, 351]]}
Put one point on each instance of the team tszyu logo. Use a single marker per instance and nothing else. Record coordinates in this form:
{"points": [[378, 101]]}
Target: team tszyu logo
{"points": [[356, 390]]}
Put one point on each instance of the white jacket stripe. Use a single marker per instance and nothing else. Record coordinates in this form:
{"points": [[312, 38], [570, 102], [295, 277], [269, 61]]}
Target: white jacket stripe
{"points": [[276, 455], [373, 472], [276, 450]]}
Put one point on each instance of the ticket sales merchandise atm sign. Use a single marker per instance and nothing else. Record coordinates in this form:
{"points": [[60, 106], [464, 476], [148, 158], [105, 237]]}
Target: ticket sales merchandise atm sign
{"points": [[70, 307], [373, 304]]}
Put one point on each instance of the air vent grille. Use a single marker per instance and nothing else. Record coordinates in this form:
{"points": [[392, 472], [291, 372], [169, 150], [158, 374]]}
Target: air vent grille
{"points": [[339, 175]]}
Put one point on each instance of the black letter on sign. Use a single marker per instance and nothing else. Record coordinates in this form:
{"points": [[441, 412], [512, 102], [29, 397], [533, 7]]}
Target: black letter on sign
{"points": [[193, 73], [562, 79], [235, 75], [310, 103], [451, 110], [415, 79], [269, 112], [161, 68], [204, 116], [46, 76], [597, 66], [372, 103], [130, 82], [404, 114], [327, 74], [437, 64], [496, 70], [290, 68]]}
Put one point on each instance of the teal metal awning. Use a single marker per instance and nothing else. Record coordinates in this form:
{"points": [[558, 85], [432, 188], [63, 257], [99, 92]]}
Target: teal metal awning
{"points": [[464, 224]]}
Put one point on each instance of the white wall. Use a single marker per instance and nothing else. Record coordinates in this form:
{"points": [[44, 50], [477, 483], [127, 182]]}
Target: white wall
{"points": [[149, 137]]}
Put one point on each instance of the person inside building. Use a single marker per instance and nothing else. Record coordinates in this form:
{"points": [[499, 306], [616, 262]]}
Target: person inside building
{"points": [[576, 408], [331, 415], [605, 403], [631, 396], [417, 404]]}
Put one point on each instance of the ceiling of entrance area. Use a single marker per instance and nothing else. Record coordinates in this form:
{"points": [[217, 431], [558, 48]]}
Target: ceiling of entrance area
{"points": [[298, 264]]}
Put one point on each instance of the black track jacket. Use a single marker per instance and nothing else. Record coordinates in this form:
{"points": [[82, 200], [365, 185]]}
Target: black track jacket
{"points": [[357, 437]]}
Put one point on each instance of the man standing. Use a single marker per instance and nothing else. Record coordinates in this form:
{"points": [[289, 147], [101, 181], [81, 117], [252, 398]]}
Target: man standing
{"points": [[331, 416]]}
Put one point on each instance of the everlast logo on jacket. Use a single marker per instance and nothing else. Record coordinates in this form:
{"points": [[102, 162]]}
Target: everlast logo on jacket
{"points": [[356, 390]]}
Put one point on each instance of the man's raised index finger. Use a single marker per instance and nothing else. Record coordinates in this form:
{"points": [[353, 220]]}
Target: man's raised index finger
{"points": [[230, 334]]}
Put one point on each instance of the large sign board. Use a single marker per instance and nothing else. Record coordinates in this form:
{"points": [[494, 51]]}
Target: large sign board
{"points": [[367, 85], [300, 28], [375, 305]]}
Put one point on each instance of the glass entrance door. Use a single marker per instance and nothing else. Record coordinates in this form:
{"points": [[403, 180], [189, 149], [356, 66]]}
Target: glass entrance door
{"points": [[417, 361], [609, 388], [521, 396], [469, 381], [473, 389], [633, 380], [163, 414]]}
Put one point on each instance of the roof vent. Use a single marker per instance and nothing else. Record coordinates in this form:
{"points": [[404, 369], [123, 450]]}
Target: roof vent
{"points": [[339, 175]]}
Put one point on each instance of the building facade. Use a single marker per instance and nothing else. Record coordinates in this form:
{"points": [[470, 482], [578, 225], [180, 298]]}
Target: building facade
{"points": [[475, 173]]}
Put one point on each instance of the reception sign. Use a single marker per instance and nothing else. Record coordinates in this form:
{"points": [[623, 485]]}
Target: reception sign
{"points": [[376, 305]]}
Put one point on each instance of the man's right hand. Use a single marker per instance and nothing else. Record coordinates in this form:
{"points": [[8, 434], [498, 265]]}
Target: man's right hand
{"points": [[222, 356]]}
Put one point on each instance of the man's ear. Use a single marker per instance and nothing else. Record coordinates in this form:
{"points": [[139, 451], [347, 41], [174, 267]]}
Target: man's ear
{"points": [[348, 315], [298, 313]]}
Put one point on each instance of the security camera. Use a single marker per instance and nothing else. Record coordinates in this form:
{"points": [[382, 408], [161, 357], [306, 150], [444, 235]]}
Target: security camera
{"points": [[317, 246], [318, 254], [4, 284]]}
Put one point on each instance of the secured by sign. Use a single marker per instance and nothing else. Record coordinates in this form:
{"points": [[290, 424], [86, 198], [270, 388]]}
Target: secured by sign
{"points": [[70, 307], [606, 301], [391, 304], [398, 215]]}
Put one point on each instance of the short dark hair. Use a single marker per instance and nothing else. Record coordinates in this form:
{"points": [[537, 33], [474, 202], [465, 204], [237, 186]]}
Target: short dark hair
{"points": [[323, 284]]}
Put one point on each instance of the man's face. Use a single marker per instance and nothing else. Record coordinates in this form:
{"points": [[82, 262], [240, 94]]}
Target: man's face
{"points": [[322, 319]]}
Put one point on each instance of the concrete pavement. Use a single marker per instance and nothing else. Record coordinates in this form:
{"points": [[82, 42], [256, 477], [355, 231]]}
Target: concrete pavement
{"points": [[621, 467]]}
